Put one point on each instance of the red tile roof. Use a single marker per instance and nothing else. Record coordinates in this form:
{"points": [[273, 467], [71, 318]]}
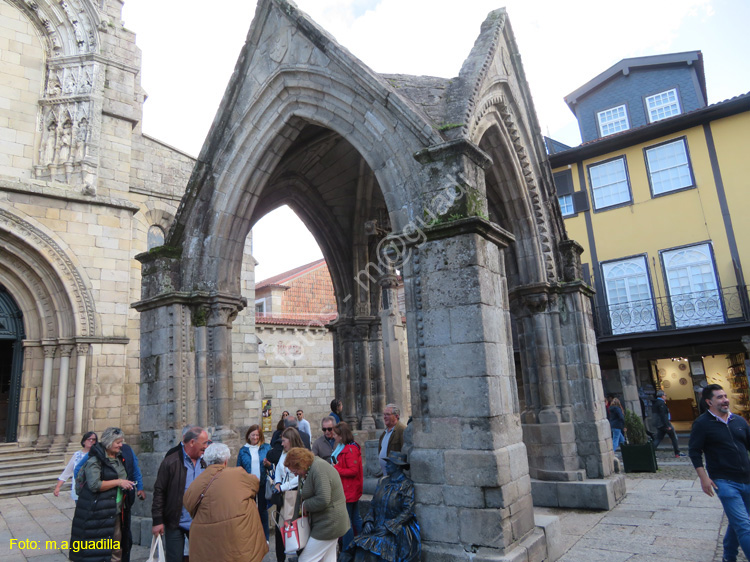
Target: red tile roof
{"points": [[309, 298], [283, 278]]}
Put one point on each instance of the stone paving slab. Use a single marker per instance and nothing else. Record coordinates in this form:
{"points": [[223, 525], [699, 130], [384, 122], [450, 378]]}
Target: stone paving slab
{"points": [[659, 520]]}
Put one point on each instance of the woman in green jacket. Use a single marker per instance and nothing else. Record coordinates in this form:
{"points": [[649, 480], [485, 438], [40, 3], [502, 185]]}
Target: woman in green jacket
{"points": [[323, 501]]}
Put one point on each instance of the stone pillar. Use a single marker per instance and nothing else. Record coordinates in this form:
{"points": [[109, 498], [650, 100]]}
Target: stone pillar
{"points": [[44, 407], [468, 459], [394, 347], [219, 326], [82, 350], [350, 373], [62, 389], [201, 373], [628, 380], [369, 351], [356, 351], [593, 434], [548, 428]]}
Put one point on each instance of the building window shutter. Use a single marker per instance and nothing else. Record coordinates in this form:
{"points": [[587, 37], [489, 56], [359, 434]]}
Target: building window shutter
{"points": [[564, 182], [580, 201]]}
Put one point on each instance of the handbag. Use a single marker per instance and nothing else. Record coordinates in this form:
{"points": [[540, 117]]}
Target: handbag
{"points": [[269, 484], [295, 534], [157, 548], [287, 509]]}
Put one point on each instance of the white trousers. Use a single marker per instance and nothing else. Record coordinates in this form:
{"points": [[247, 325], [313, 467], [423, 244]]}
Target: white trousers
{"points": [[319, 551]]}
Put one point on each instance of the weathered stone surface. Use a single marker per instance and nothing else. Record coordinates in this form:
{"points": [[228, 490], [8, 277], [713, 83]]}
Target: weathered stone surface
{"points": [[364, 159]]}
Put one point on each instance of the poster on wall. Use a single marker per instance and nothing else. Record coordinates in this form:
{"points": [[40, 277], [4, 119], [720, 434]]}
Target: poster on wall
{"points": [[696, 367], [267, 413]]}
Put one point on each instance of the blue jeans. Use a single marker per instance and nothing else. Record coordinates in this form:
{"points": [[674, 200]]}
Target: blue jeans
{"points": [[617, 438], [352, 508], [174, 543], [731, 545], [263, 509], [735, 498]]}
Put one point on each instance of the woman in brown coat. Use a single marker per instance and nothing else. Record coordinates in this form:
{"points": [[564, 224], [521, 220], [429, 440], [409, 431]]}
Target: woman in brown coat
{"points": [[221, 501]]}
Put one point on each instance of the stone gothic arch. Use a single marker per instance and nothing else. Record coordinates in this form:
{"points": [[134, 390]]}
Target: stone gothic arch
{"points": [[59, 319], [421, 169]]}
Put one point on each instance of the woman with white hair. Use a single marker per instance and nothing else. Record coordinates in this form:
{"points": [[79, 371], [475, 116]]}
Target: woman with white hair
{"points": [[226, 524]]}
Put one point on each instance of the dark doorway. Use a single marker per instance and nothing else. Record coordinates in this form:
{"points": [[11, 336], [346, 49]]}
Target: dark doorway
{"points": [[11, 364]]}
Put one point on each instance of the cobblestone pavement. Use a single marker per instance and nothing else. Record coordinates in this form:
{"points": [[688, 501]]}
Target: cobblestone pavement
{"points": [[661, 519]]}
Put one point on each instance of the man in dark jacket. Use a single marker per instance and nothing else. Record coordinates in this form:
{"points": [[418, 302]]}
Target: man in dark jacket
{"points": [[180, 467], [724, 439], [663, 425]]}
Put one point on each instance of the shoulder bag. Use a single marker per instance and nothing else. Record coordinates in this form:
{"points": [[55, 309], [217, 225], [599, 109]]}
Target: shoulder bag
{"points": [[295, 533], [270, 475]]}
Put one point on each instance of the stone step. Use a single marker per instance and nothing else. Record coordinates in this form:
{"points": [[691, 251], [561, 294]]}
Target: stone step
{"points": [[28, 489], [26, 471], [11, 452], [27, 460], [46, 469]]}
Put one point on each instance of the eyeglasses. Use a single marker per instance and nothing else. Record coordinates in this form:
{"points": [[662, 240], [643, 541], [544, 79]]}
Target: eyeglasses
{"points": [[327, 429]]}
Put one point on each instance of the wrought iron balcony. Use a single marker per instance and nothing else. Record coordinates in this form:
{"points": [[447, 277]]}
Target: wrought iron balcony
{"points": [[688, 310]]}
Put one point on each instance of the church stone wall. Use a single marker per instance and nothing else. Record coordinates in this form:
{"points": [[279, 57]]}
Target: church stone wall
{"points": [[80, 186], [22, 62]]}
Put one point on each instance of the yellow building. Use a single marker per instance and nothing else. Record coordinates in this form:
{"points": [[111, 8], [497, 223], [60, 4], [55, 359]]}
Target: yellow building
{"points": [[657, 194]]}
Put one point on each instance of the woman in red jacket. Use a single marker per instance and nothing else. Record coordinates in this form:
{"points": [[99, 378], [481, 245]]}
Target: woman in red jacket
{"points": [[347, 458]]}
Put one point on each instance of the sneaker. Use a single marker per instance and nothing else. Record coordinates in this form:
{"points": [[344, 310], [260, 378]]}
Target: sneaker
{"points": [[678, 455]]}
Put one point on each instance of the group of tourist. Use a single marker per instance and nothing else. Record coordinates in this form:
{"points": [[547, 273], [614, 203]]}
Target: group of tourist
{"points": [[208, 511]]}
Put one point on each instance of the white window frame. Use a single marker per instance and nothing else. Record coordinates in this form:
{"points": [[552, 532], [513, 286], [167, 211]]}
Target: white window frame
{"points": [[613, 120], [260, 304], [693, 286], [599, 184], [566, 205], [676, 175], [663, 105], [629, 296]]}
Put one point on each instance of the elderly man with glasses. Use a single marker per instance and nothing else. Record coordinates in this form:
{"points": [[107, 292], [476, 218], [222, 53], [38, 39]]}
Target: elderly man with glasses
{"points": [[392, 439], [324, 445]]}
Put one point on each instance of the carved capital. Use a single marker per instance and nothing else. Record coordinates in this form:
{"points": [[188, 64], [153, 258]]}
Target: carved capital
{"points": [[536, 302], [82, 349], [66, 350], [389, 281], [222, 315], [49, 351]]}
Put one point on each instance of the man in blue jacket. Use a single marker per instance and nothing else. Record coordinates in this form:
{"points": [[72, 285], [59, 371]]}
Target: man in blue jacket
{"points": [[724, 439]]}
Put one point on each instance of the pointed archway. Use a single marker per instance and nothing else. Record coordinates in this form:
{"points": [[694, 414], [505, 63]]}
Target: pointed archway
{"points": [[305, 123]]}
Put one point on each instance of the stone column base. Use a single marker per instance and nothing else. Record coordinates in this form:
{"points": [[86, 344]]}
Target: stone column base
{"points": [[604, 493], [543, 544]]}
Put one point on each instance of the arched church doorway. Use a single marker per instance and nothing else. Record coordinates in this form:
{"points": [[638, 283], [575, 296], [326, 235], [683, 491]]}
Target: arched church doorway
{"points": [[11, 364]]}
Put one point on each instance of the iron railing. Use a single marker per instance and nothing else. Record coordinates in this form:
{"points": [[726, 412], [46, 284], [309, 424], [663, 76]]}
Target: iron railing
{"points": [[688, 310]]}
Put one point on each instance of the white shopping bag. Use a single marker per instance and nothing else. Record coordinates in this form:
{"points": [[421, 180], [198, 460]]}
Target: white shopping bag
{"points": [[157, 550]]}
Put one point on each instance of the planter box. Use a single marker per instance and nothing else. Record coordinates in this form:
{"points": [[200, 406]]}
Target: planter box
{"points": [[639, 458]]}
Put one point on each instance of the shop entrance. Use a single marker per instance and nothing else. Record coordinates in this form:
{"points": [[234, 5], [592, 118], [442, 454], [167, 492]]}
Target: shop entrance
{"points": [[682, 380]]}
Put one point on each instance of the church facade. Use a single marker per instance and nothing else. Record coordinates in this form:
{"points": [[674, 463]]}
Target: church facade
{"points": [[81, 192]]}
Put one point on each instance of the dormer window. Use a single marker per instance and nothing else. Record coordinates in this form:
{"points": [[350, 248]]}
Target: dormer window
{"points": [[613, 121], [663, 105]]}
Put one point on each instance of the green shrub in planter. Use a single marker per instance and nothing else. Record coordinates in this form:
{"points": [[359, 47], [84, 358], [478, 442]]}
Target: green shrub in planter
{"points": [[638, 455]]}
